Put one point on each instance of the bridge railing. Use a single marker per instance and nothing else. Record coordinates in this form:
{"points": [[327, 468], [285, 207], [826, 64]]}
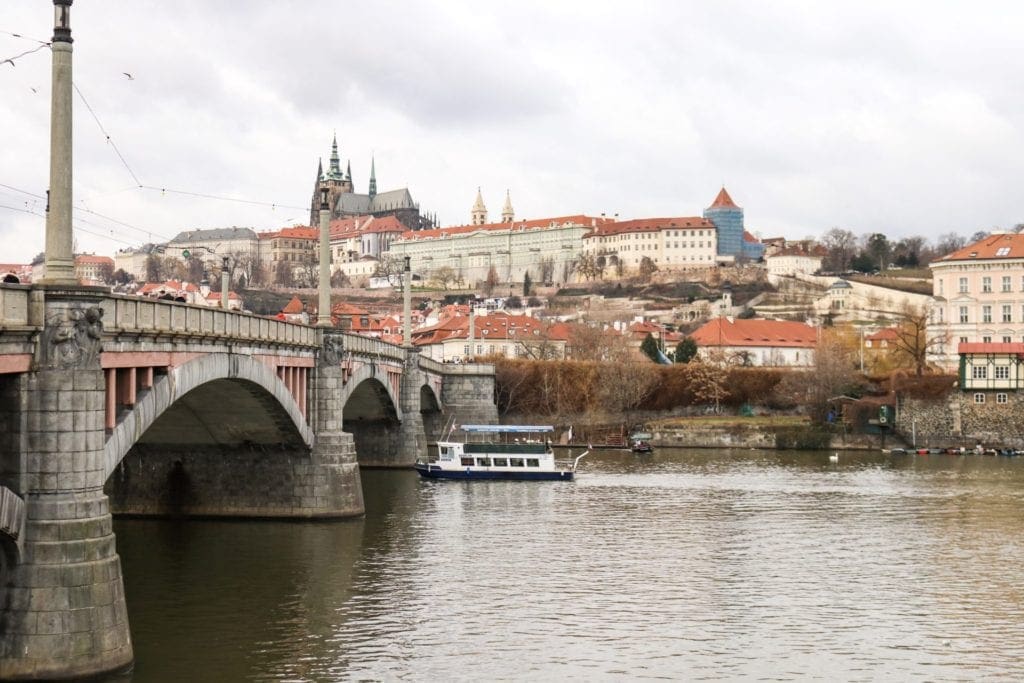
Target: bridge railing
{"points": [[126, 314], [13, 306], [374, 347]]}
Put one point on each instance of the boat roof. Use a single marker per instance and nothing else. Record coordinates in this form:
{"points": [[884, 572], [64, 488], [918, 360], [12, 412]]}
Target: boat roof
{"points": [[494, 429]]}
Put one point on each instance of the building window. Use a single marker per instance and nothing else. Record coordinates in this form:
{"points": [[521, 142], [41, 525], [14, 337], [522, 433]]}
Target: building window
{"points": [[941, 283], [1007, 315], [986, 314], [986, 340], [986, 284], [1007, 339], [979, 398], [979, 372], [1002, 372], [963, 314], [1000, 398], [963, 340], [963, 285], [1006, 283]]}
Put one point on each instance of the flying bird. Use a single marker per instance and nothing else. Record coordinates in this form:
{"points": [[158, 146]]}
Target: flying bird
{"points": [[130, 77], [9, 61], [32, 89]]}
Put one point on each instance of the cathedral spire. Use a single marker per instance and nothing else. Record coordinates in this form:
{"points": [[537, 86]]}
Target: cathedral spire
{"points": [[373, 178], [334, 170], [319, 169], [479, 211], [507, 214], [348, 171]]}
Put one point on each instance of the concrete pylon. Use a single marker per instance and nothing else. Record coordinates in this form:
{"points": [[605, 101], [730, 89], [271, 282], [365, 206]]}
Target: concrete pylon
{"points": [[65, 614], [60, 259]]}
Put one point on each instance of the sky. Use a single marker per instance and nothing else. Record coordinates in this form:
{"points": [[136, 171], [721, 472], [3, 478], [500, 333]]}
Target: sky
{"points": [[903, 118]]}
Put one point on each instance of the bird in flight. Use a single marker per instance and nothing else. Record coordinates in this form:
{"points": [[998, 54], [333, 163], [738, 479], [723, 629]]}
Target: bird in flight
{"points": [[130, 77]]}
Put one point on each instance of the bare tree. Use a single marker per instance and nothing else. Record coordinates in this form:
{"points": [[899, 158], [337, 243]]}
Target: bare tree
{"points": [[547, 270], [491, 281], [842, 246], [625, 386], [647, 269], [834, 372], [586, 266], [588, 342], [445, 276], [912, 344]]}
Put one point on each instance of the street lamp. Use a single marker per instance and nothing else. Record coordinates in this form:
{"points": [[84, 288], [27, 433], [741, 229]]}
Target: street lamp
{"points": [[407, 302], [225, 282], [323, 316]]}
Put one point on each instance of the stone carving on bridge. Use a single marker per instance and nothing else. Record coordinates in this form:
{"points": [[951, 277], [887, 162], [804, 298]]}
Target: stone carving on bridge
{"points": [[333, 348], [73, 338]]}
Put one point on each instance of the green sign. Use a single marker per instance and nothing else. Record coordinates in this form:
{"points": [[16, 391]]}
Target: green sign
{"points": [[185, 253]]}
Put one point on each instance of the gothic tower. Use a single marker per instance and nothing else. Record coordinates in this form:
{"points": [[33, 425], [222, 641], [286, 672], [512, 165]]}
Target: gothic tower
{"points": [[507, 214], [373, 178], [333, 179], [479, 212]]}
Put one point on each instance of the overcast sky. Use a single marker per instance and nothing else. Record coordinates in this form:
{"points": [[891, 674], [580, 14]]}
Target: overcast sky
{"points": [[903, 118]]}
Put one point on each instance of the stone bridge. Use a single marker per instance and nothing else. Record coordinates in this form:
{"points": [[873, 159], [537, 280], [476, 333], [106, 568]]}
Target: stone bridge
{"points": [[112, 404]]}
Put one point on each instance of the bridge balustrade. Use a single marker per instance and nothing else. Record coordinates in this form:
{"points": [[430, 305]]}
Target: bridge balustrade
{"points": [[125, 314]]}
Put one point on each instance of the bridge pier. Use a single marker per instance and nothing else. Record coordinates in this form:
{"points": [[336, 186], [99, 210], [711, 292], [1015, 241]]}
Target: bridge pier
{"points": [[468, 394], [64, 609]]}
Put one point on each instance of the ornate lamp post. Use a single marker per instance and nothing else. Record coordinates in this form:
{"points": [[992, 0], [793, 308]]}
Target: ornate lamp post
{"points": [[60, 259], [323, 316], [225, 283], [407, 304]]}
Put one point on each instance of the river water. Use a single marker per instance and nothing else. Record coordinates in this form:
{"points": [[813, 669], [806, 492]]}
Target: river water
{"points": [[696, 565]]}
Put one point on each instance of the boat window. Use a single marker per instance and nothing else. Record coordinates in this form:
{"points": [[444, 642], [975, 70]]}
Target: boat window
{"points": [[467, 461], [515, 462], [483, 462], [532, 462], [444, 450], [501, 462]]}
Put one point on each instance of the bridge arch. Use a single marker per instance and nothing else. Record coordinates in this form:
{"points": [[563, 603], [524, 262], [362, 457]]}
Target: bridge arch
{"points": [[354, 388], [229, 376]]}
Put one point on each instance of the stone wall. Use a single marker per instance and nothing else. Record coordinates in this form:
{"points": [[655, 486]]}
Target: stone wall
{"points": [[209, 481], [931, 422], [993, 424]]}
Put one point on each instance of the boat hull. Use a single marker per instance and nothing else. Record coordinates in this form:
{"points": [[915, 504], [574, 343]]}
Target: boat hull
{"points": [[434, 472]]}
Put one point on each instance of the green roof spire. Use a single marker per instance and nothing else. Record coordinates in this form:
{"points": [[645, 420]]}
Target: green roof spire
{"points": [[373, 178]]}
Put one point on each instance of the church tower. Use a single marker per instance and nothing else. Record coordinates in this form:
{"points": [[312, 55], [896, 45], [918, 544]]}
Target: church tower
{"points": [[479, 211], [507, 214], [336, 182]]}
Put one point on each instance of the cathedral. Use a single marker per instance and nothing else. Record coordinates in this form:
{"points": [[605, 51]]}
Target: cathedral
{"points": [[345, 202]]}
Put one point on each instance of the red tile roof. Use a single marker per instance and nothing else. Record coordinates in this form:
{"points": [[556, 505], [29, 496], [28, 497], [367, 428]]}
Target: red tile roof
{"points": [[888, 334], [84, 259], [1000, 246], [756, 332], [991, 347], [343, 228], [748, 237], [293, 306], [649, 225], [723, 200], [302, 232]]}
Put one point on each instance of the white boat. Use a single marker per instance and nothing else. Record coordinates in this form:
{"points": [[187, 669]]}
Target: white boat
{"points": [[499, 452]]}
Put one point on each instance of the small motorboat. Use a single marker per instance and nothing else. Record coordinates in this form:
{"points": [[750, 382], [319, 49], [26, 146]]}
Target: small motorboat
{"points": [[640, 442]]}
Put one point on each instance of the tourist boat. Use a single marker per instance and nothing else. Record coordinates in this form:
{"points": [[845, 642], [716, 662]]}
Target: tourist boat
{"points": [[498, 452]]}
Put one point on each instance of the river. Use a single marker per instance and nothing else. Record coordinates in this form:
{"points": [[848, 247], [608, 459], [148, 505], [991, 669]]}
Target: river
{"points": [[697, 565]]}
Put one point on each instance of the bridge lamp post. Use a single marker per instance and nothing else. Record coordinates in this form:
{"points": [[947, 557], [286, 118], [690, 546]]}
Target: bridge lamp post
{"points": [[407, 304], [60, 259], [323, 315], [225, 282]]}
